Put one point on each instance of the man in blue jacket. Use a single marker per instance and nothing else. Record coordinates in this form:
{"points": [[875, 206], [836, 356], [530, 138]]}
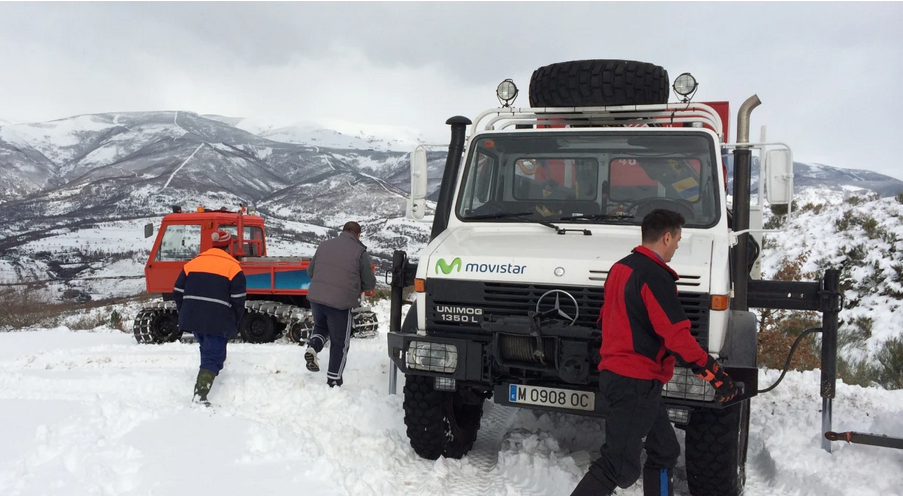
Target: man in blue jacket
{"points": [[339, 272], [210, 297]]}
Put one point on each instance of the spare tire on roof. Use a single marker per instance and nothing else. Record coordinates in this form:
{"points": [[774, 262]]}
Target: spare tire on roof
{"points": [[591, 83]]}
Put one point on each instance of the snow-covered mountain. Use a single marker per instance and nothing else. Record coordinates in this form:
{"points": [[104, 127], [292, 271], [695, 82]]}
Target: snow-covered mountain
{"points": [[836, 182], [123, 169], [76, 191], [338, 134]]}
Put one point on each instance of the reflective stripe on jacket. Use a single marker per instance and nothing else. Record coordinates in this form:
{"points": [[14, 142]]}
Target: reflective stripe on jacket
{"points": [[644, 326], [210, 294]]}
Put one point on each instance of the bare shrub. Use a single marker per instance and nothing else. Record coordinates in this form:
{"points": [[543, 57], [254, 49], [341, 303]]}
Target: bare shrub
{"points": [[24, 305]]}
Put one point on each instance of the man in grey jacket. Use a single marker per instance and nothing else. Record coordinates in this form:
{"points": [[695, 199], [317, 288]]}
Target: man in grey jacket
{"points": [[339, 272]]}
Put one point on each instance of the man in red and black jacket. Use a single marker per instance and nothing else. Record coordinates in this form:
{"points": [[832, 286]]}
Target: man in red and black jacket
{"points": [[644, 331], [210, 296]]}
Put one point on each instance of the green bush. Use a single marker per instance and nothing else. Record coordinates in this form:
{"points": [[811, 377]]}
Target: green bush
{"points": [[859, 373], [116, 320], [890, 357]]}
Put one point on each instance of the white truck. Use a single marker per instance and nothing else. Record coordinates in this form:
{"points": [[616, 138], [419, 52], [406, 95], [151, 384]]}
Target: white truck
{"points": [[534, 207]]}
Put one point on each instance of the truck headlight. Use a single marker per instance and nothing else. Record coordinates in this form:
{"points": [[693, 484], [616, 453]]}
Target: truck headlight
{"points": [[685, 84], [688, 386], [432, 357]]}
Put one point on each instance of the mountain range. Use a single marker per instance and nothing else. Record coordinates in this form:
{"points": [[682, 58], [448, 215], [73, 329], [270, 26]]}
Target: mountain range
{"points": [[75, 191]]}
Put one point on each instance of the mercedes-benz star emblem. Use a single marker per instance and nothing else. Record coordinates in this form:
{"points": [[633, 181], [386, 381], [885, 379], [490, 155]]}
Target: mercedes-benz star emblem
{"points": [[556, 309]]}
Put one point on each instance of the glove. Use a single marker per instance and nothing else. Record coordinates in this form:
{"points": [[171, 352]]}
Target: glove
{"points": [[725, 389]]}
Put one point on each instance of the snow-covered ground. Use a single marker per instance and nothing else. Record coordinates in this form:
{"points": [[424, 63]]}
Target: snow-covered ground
{"points": [[89, 412]]}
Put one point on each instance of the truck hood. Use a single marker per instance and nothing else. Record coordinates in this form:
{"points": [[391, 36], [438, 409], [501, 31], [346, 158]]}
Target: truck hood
{"points": [[537, 255]]}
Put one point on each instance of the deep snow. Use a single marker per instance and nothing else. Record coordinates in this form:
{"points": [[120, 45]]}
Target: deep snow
{"points": [[90, 412]]}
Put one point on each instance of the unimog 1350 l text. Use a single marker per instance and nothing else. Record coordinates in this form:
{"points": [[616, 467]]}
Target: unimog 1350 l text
{"points": [[534, 207]]}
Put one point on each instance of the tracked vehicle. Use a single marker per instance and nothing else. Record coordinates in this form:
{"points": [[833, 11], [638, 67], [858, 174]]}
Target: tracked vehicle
{"points": [[277, 286]]}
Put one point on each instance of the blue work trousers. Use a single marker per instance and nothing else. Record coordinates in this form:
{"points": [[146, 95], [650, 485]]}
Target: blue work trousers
{"points": [[213, 351]]}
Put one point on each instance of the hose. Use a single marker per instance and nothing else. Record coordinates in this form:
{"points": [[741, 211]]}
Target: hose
{"points": [[790, 356]]}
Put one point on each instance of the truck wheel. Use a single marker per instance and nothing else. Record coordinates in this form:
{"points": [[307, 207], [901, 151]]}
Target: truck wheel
{"points": [[439, 423], [300, 331], [156, 326], [716, 450], [365, 325], [256, 327], [588, 83]]}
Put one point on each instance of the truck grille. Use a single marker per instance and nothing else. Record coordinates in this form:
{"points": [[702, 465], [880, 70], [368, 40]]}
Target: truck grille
{"points": [[504, 300]]}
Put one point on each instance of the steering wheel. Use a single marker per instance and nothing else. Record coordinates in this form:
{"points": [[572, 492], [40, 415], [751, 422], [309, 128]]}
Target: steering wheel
{"points": [[643, 207]]}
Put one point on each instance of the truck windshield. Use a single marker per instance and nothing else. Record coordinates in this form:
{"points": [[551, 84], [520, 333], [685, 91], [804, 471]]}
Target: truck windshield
{"points": [[599, 177]]}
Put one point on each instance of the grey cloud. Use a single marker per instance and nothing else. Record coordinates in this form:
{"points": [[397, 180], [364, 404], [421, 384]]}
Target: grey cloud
{"points": [[826, 72]]}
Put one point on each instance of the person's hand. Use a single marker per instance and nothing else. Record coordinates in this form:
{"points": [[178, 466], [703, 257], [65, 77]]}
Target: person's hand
{"points": [[725, 389]]}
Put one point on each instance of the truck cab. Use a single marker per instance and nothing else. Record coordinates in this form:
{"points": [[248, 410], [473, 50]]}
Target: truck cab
{"points": [[185, 235]]}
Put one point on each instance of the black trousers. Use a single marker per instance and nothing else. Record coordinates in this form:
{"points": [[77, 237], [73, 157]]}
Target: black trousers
{"points": [[335, 325], [637, 420]]}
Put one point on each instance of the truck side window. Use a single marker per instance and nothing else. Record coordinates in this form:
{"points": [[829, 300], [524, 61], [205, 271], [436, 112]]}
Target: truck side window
{"points": [[483, 186], [179, 243], [253, 242]]}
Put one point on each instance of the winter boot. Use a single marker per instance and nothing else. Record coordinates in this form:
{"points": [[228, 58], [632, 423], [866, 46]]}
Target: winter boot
{"points": [[657, 482], [310, 356], [203, 385]]}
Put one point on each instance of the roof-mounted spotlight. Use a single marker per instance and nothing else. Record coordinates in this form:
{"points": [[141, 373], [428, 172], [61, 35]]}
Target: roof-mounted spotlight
{"points": [[685, 85], [507, 92]]}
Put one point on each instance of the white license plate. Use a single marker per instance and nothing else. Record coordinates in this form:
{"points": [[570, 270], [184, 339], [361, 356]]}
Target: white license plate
{"points": [[552, 397]]}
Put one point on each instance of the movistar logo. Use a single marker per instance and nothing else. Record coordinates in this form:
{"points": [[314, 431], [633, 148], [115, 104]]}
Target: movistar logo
{"points": [[456, 265], [446, 267]]}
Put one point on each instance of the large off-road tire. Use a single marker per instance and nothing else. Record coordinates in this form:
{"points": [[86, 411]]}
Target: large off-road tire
{"points": [[256, 327], [439, 423], [716, 445], [596, 83], [156, 326]]}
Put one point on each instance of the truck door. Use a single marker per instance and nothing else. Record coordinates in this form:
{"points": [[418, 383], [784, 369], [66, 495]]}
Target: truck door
{"points": [[178, 243]]}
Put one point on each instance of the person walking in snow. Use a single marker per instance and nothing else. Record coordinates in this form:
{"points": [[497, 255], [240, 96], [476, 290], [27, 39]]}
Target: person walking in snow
{"points": [[339, 272], [644, 329], [210, 296]]}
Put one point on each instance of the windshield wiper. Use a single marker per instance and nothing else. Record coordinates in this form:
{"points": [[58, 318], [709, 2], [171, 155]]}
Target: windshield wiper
{"points": [[514, 215], [595, 217]]}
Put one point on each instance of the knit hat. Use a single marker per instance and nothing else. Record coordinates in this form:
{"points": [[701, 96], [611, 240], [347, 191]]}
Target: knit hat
{"points": [[221, 239]]}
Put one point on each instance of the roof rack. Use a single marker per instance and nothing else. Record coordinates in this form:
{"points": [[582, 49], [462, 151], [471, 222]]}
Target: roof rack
{"points": [[618, 116]]}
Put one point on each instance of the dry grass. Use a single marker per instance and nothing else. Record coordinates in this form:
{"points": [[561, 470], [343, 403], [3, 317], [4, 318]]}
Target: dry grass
{"points": [[29, 305]]}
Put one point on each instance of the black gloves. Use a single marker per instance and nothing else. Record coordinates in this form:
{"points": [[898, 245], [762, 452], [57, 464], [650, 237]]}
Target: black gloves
{"points": [[725, 389]]}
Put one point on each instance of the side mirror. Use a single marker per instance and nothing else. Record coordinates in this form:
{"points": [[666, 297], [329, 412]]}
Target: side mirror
{"points": [[148, 230], [417, 200], [779, 176]]}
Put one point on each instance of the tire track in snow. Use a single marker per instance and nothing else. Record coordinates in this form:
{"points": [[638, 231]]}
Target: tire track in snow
{"points": [[480, 473], [182, 165]]}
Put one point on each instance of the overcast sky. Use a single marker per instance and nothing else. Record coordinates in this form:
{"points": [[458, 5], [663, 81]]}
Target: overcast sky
{"points": [[830, 75]]}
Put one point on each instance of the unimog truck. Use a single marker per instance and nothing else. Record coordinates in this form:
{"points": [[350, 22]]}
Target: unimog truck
{"points": [[535, 206]]}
